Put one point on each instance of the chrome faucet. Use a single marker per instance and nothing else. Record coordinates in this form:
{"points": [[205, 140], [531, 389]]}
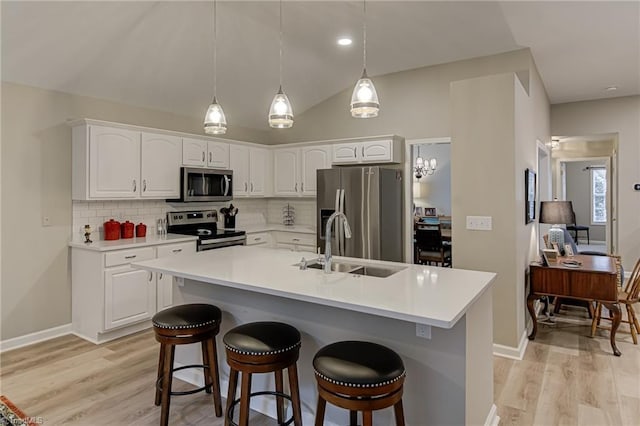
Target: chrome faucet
{"points": [[327, 237]]}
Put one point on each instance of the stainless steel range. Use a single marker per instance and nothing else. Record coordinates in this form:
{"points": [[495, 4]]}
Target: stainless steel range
{"points": [[204, 224]]}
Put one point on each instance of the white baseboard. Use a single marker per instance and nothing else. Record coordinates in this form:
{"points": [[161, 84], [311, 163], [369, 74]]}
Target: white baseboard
{"points": [[38, 336], [510, 351], [492, 419]]}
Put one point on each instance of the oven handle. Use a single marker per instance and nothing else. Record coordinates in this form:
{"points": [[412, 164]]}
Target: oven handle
{"points": [[226, 185], [222, 240]]}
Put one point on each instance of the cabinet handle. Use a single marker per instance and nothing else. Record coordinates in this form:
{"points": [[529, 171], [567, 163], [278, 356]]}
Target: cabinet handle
{"points": [[301, 186], [160, 275], [295, 239], [257, 239], [210, 158], [135, 186], [251, 186], [150, 276], [355, 152], [203, 156], [144, 185], [176, 250], [296, 188], [363, 151], [245, 187], [133, 256]]}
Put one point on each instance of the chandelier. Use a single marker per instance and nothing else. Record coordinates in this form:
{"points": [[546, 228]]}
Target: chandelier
{"points": [[424, 167]]}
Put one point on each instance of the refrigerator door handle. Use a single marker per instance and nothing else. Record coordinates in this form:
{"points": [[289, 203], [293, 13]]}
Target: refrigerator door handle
{"points": [[334, 231], [363, 226], [341, 225], [369, 214]]}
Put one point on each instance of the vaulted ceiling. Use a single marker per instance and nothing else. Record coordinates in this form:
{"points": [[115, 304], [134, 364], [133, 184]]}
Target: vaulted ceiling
{"points": [[159, 54]]}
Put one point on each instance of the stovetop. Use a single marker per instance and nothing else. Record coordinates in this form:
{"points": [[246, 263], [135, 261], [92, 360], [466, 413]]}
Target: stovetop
{"points": [[202, 223]]}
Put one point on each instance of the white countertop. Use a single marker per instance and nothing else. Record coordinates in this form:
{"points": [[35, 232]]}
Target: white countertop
{"points": [[421, 294], [127, 243], [266, 227]]}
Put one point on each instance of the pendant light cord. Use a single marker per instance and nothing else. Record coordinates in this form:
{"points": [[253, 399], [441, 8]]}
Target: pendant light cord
{"points": [[364, 32], [280, 44], [215, 53]]}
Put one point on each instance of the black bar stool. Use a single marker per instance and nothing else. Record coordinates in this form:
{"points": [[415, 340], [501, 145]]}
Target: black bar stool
{"points": [[262, 347], [181, 325], [359, 376]]}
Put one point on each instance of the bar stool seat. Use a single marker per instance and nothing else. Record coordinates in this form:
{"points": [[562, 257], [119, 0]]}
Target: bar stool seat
{"points": [[262, 347], [181, 325], [359, 376]]}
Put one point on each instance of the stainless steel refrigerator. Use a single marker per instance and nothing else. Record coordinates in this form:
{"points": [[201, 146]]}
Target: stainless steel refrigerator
{"points": [[371, 198]]}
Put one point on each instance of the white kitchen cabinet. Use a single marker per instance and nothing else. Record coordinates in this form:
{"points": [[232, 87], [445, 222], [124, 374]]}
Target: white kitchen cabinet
{"points": [[164, 281], [205, 153], [110, 298], [295, 241], [250, 171], [294, 169], [111, 163], [113, 167], [387, 150], [160, 166], [259, 238]]}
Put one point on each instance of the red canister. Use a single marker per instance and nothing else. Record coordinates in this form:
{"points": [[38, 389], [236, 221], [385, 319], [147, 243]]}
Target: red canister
{"points": [[112, 230], [141, 230], [127, 229]]}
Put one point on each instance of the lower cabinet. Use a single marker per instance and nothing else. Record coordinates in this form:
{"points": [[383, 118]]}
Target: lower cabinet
{"points": [[259, 238], [110, 298], [295, 241]]}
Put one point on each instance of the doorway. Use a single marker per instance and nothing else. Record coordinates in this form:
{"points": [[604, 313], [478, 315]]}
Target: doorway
{"points": [[585, 174]]}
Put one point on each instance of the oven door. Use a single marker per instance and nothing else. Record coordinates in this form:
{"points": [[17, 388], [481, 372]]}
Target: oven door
{"points": [[199, 185], [216, 243]]}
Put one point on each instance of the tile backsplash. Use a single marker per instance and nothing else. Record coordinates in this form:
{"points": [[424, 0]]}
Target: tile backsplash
{"points": [[253, 211]]}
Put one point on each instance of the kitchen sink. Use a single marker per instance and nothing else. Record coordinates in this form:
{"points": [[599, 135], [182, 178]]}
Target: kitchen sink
{"points": [[357, 269]]}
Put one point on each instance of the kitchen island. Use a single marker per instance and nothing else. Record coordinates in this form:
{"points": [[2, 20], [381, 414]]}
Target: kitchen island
{"points": [[438, 319]]}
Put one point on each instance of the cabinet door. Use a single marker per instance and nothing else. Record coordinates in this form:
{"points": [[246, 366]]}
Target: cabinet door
{"points": [[218, 155], [239, 163], [286, 174], [346, 153], [114, 163], [130, 296], [257, 171], [312, 159], [160, 166], [194, 152], [376, 151], [164, 281]]}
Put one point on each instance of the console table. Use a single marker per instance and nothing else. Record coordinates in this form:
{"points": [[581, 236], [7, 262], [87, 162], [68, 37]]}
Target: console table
{"points": [[594, 279]]}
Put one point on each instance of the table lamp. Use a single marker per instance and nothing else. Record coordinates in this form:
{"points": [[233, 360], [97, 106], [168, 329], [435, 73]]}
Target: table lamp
{"points": [[556, 213]]}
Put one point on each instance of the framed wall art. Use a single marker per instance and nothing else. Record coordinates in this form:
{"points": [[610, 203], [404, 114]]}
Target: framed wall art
{"points": [[529, 196]]}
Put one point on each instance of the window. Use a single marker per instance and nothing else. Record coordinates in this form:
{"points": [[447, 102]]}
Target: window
{"points": [[598, 195]]}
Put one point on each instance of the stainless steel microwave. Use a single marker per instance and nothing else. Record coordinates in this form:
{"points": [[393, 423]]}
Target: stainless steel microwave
{"points": [[198, 185]]}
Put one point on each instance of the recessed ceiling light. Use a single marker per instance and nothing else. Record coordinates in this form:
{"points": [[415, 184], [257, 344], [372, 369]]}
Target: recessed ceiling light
{"points": [[611, 89], [344, 41]]}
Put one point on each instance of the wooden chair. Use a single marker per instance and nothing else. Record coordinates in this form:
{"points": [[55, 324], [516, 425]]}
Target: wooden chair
{"points": [[430, 247], [628, 296], [576, 228]]}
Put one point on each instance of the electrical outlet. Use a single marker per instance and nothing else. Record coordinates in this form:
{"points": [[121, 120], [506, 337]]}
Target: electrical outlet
{"points": [[479, 223], [423, 330]]}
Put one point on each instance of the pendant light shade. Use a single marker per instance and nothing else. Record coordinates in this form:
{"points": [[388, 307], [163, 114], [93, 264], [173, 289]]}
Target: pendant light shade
{"points": [[215, 122], [281, 112], [364, 100]]}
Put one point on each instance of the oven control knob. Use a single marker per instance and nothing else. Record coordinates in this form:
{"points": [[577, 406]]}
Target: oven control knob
{"points": [[175, 216], [181, 216]]}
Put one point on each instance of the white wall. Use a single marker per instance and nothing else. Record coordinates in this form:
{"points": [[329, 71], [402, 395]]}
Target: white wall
{"points": [[434, 190], [621, 116]]}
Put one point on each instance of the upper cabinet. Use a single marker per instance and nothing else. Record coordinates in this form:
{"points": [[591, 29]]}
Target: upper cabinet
{"points": [[294, 169], [387, 150], [116, 163], [250, 170], [160, 166], [203, 153]]}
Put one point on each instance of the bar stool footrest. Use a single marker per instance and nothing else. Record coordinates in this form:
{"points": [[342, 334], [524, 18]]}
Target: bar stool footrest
{"points": [[189, 392], [251, 395]]}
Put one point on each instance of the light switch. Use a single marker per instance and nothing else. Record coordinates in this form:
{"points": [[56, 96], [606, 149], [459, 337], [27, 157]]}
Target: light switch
{"points": [[479, 223]]}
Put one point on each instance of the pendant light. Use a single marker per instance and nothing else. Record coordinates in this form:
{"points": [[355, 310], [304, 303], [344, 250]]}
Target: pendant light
{"points": [[281, 113], [364, 100], [215, 123]]}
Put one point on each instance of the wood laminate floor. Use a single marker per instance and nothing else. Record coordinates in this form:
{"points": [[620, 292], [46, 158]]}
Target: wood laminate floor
{"points": [[566, 378]]}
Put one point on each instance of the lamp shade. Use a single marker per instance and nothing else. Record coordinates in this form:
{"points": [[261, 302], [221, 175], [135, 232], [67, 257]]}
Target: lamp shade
{"points": [[556, 212]]}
